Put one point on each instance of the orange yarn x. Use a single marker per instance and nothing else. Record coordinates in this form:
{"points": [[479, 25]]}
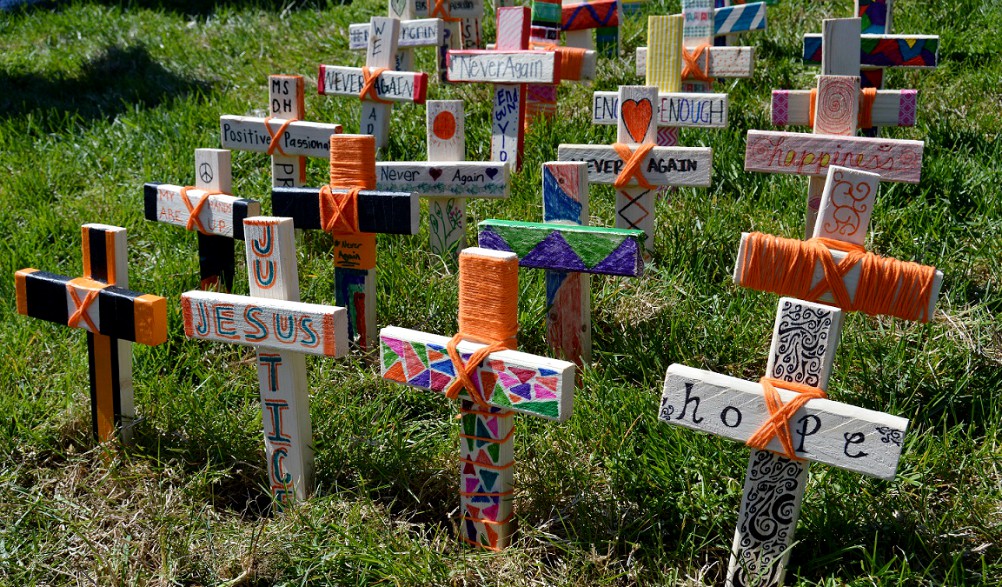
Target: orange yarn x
{"points": [[339, 211], [275, 144], [634, 164], [692, 69], [194, 210], [778, 424], [465, 371], [370, 76], [81, 307], [440, 9]]}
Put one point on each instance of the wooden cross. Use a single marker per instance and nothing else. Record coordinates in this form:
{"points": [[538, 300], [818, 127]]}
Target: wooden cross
{"points": [[208, 209], [283, 331], [703, 61], [376, 84], [113, 316], [569, 251], [575, 63], [878, 48], [803, 348], [836, 118], [500, 384], [510, 67], [579, 18], [465, 13], [282, 134], [353, 230], [635, 174], [424, 32]]}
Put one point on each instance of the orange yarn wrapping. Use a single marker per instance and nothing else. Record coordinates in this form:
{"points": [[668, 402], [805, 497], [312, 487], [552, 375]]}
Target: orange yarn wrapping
{"points": [[353, 162], [778, 424], [275, 136], [81, 307], [339, 211], [571, 58], [692, 69], [488, 314], [194, 222], [370, 76], [866, 107], [634, 164], [440, 9], [813, 107], [886, 286]]}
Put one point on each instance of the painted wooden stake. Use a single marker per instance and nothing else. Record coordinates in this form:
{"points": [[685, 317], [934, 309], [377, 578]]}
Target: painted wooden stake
{"points": [[354, 251], [568, 253], [282, 135], [662, 166], [837, 113], [803, 347], [446, 132], [376, 84], [414, 33], [702, 25], [506, 381], [217, 222], [284, 331], [578, 19], [510, 67], [114, 317]]}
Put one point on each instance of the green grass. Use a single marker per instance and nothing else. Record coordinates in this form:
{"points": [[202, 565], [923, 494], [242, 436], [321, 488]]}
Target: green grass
{"points": [[97, 98]]}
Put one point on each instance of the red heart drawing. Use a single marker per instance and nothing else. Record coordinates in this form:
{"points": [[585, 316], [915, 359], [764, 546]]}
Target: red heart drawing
{"points": [[637, 118]]}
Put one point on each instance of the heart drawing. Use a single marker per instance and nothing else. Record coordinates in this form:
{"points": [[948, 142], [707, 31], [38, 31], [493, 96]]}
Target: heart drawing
{"points": [[435, 172], [491, 172], [637, 118], [397, 6]]}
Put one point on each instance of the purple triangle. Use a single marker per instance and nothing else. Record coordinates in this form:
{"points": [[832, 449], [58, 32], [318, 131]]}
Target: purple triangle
{"points": [[523, 390], [423, 379], [553, 252], [625, 260], [489, 239]]}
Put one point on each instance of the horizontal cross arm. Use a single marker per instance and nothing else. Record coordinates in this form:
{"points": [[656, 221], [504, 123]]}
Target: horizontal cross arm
{"points": [[589, 15], [851, 279], [538, 386], [222, 216], [425, 32], [457, 8], [811, 154], [567, 247], [739, 18], [501, 67], [921, 51], [249, 133], [724, 62], [379, 212], [472, 179], [683, 166], [395, 86], [824, 431], [674, 109], [890, 107], [116, 312], [276, 325]]}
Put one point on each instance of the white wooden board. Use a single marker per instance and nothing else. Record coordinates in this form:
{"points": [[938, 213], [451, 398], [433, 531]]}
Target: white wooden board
{"points": [[396, 86], [674, 109], [682, 166], [310, 139], [519, 67], [726, 62], [890, 107], [443, 178], [216, 216], [425, 32]]}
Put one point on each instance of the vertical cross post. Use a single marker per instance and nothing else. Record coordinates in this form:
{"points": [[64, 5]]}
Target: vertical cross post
{"points": [[113, 316], [509, 67], [497, 381], [376, 84], [283, 331], [446, 132], [353, 222], [635, 165], [569, 252], [836, 117], [208, 209], [282, 134]]}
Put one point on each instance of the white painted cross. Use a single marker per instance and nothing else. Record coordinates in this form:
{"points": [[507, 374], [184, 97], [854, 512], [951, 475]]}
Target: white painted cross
{"points": [[510, 67], [464, 13], [802, 352], [376, 84], [501, 383], [283, 330], [208, 209], [424, 32], [836, 119], [282, 134], [635, 165], [352, 224]]}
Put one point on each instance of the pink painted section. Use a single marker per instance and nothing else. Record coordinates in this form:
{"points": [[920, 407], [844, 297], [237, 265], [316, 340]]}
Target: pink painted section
{"points": [[907, 107], [780, 107]]}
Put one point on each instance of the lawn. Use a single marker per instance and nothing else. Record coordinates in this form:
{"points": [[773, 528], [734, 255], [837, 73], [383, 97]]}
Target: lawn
{"points": [[99, 97]]}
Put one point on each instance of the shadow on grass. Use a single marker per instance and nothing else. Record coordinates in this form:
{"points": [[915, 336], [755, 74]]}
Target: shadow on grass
{"points": [[103, 88]]}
